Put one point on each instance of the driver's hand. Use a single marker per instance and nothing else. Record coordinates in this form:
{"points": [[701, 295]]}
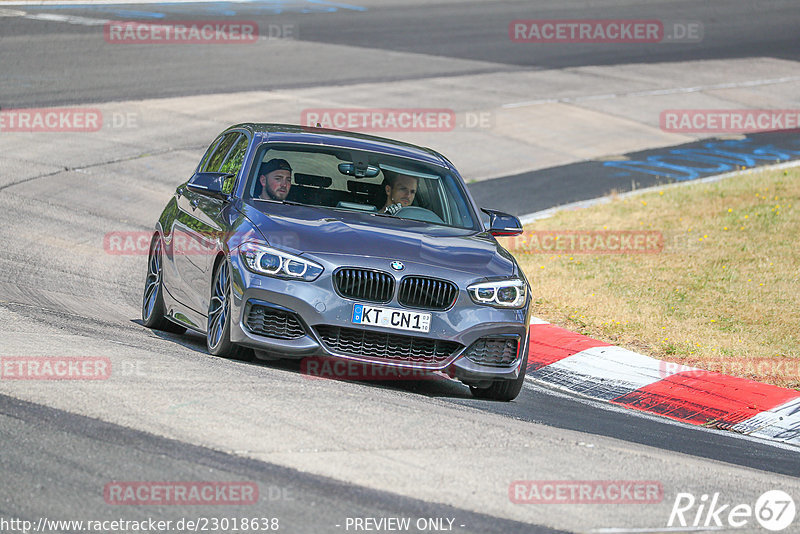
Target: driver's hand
{"points": [[394, 208]]}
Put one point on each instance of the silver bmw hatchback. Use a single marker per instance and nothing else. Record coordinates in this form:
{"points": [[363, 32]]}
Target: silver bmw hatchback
{"points": [[294, 242]]}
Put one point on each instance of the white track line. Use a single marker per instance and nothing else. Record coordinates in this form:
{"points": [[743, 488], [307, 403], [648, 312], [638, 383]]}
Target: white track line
{"points": [[69, 19], [606, 372], [114, 2], [781, 423], [92, 3], [544, 214], [655, 92]]}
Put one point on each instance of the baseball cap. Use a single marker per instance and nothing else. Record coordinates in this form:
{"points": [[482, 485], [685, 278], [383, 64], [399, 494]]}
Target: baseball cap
{"points": [[273, 165]]}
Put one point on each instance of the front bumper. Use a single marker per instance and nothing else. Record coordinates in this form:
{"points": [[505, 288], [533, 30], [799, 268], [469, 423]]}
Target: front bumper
{"points": [[318, 309]]}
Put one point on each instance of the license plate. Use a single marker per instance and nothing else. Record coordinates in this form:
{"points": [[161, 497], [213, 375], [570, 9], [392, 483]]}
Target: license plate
{"points": [[392, 318]]}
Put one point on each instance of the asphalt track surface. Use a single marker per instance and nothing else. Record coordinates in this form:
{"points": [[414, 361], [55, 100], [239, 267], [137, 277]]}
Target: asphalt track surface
{"points": [[58, 459], [77, 453], [52, 63]]}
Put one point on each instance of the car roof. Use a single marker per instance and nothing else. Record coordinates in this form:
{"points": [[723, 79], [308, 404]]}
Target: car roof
{"points": [[292, 133]]}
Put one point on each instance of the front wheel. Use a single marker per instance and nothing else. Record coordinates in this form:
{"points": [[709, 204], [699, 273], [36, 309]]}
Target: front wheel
{"points": [[153, 298], [218, 332], [503, 390]]}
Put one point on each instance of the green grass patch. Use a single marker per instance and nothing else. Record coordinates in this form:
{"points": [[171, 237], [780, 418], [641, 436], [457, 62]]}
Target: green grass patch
{"points": [[722, 294]]}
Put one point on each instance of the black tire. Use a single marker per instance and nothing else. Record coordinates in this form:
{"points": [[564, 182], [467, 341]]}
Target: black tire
{"points": [[218, 330], [153, 297], [503, 390]]}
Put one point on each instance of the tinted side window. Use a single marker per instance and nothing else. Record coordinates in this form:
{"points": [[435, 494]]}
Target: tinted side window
{"points": [[207, 155], [216, 159], [233, 163]]}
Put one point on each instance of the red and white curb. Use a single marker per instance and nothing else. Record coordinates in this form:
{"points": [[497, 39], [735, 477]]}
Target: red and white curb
{"points": [[583, 365]]}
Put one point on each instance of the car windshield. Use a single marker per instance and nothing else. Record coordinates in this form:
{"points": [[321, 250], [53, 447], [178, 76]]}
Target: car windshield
{"points": [[354, 180]]}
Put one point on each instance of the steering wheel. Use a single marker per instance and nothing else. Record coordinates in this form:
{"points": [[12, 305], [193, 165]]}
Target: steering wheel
{"points": [[417, 213]]}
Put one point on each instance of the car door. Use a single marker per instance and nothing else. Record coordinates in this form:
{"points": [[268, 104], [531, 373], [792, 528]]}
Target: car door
{"points": [[190, 227], [175, 236], [200, 224], [211, 208]]}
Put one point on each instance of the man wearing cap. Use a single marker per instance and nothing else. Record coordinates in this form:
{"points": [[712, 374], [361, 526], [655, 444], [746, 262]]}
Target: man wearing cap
{"points": [[275, 176]]}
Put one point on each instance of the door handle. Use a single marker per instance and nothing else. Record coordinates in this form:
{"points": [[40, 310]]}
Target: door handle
{"points": [[194, 203]]}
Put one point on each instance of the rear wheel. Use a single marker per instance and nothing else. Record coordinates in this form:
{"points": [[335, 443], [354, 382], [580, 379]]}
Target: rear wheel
{"points": [[218, 332], [153, 298], [503, 390]]}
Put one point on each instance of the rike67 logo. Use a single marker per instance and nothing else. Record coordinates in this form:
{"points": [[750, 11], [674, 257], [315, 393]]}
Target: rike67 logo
{"points": [[774, 510]]}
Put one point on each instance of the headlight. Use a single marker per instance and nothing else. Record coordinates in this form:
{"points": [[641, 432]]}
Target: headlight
{"points": [[502, 293], [262, 259]]}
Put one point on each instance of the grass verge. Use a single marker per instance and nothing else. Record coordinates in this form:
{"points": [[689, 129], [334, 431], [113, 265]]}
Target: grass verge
{"points": [[720, 290]]}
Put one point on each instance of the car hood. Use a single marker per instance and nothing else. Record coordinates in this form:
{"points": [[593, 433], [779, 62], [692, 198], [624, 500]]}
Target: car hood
{"points": [[326, 232]]}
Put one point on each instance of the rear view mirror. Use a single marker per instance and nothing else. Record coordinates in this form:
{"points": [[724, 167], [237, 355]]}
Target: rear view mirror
{"points": [[502, 224], [359, 170]]}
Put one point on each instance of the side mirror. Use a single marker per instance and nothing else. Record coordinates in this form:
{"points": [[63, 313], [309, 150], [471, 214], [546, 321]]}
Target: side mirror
{"points": [[209, 183], [502, 224]]}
